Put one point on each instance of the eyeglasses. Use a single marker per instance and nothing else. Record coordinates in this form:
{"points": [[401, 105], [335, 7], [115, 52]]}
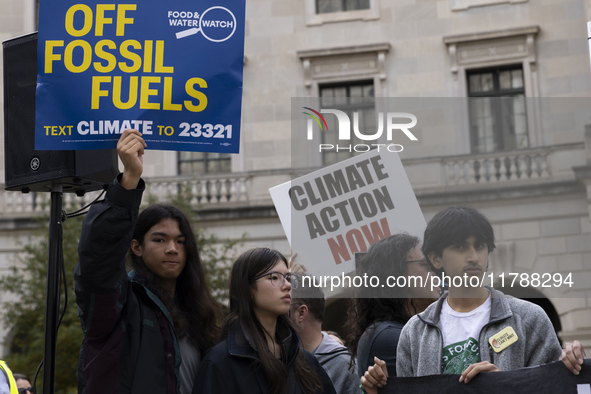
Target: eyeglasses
{"points": [[416, 261], [25, 390], [277, 278]]}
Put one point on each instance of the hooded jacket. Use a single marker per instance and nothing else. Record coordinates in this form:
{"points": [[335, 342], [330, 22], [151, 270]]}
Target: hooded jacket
{"points": [[421, 343], [129, 342], [335, 358], [232, 366]]}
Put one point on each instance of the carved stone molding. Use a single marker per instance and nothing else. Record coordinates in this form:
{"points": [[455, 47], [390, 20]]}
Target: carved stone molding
{"points": [[478, 50], [364, 62]]}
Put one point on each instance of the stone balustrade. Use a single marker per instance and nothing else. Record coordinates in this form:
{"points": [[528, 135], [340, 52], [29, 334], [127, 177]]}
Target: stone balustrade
{"points": [[497, 167], [428, 175], [206, 191]]}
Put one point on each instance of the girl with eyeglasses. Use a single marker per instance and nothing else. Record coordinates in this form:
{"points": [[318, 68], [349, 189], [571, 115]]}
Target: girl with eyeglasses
{"points": [[260, 351]]}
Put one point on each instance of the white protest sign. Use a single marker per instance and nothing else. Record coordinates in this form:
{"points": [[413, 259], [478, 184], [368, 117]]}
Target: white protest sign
{"points": [[330, 214]]}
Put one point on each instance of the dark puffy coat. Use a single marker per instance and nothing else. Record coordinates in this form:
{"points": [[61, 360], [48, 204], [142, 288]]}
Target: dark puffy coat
{"points": [[232, 366], [129, 343]]}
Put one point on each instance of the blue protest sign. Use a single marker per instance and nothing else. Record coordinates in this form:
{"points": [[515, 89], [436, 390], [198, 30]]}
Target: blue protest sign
{"points": [[170, 69]]}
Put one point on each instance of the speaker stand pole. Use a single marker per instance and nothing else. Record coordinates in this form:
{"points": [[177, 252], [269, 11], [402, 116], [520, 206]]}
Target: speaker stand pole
{"points": [[52, 295]]}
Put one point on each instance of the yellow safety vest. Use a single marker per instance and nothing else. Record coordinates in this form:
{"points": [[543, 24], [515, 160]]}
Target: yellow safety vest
{"points": [[11, 382]]}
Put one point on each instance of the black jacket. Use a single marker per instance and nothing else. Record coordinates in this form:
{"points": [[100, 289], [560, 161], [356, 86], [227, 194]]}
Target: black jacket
{"points": [[129, 343], [233, 367], [379, 340]]}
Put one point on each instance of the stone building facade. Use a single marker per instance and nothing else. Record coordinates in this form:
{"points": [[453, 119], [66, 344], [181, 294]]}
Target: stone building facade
{"points": [[536, 189]]}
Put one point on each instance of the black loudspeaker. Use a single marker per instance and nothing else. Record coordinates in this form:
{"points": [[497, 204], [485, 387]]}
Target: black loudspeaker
{"points": [[27, 169]]}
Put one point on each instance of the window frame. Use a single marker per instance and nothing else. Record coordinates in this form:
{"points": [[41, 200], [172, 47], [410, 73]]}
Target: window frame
{"points": [[343, 5], [491, 49], [332, 66], [497, 92], [346, 108], [315, 19], [205, 160]]}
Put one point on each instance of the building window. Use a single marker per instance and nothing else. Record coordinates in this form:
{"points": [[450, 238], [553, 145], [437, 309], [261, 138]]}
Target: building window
{"points": [[506, 61], [197, 163], [498, 118], [325, 6], [344, 78], [354, 97], [319, 12]]}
